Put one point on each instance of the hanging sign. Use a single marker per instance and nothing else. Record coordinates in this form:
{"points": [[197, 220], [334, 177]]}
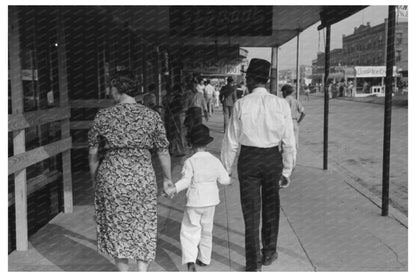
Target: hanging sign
{"points": [[221, 20]]}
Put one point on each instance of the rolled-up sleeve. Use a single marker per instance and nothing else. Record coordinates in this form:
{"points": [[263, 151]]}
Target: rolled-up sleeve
{"points": [[160, 142], [94, 132], [288, 141], [230, 142], [187, 174]]}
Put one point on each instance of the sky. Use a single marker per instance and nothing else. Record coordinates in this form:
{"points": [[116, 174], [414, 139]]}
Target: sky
{"points": [[311, 40]]}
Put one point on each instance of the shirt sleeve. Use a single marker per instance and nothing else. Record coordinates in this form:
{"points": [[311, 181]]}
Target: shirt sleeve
{"points": [[224, 177], [160, 142], [94, 132], [288, 141], [187, 174], [230, 142]]}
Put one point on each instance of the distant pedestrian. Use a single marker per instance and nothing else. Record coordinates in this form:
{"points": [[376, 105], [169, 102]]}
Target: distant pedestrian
{"points": [[228, 96], [260, 123], [296, 108], [217, 97], [197, 108], [149, 99], [200, 175], [209, 97], [307, 91]]}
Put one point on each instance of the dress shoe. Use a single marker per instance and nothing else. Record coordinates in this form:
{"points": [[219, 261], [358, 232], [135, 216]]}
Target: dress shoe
{"points": [[253, 269], [191, 267], [268, 260]]}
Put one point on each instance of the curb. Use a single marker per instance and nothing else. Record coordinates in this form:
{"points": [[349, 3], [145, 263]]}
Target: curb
{"points": [[393, 212]]}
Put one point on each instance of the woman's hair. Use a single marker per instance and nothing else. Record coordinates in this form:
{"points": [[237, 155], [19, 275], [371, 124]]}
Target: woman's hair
{"points": [[125, 83]]}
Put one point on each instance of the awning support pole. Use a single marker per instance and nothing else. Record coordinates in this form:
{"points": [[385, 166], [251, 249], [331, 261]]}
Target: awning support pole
{"points": [[274, 80], [326, 98], [387, 110], [297, 66]]}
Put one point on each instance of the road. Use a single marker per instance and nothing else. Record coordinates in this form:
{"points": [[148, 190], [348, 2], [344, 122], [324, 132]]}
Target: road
{"points": [[356, 144]]}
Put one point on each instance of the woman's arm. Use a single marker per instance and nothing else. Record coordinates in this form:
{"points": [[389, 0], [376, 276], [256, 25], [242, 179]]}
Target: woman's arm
{"points": [[164, 159], [94, 163]]}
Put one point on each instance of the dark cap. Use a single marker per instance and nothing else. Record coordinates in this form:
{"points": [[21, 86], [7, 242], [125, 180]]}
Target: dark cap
{"points": [[287, 88], [258, 68]]}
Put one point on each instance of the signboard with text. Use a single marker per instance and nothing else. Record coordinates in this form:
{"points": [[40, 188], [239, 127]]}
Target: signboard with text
{"points": [[372, 71], [220, 20], [214, 68]]}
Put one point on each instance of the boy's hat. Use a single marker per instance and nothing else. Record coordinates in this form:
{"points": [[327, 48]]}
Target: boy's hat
{"points": [[200, 135]]}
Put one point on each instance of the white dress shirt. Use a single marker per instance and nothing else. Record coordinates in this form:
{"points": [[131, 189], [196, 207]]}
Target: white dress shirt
{"points": [[200, 175], [262, 120], [209, 91]]}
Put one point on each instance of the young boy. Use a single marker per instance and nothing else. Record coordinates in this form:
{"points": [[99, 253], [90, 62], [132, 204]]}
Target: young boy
{"points": [[200, 175]]}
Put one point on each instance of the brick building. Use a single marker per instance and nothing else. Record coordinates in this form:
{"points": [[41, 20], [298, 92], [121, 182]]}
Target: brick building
{"points": [[366, 46]]}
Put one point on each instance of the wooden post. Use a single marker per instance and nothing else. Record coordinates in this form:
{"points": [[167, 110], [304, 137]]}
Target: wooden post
{"points": [[274, 78], [20, 186], [65, 124]]}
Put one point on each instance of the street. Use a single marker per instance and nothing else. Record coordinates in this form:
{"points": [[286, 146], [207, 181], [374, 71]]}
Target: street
{"points": [[356, 144]]}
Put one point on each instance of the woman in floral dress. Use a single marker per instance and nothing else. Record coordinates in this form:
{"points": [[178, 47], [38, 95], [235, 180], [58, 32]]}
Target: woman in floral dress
{"points": [[124, 180]]}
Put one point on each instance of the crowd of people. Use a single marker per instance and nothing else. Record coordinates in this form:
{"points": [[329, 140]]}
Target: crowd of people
{"points": [[263, 125]]}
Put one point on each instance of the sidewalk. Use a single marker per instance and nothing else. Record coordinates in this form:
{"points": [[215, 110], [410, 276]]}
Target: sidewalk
{"points": [[397, 100], [325, 225]]}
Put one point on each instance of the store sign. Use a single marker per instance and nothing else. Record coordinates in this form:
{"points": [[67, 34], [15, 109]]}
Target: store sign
{"points": [[402, 11], [221, 20], [214, 68], [372, 71]]}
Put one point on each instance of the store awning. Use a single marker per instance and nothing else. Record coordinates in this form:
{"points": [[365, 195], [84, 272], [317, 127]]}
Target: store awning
{"points": [[246, 26]]}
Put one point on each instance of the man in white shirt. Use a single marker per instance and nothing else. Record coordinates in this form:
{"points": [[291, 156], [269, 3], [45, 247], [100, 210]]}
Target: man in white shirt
{"points": [[260, 123]]}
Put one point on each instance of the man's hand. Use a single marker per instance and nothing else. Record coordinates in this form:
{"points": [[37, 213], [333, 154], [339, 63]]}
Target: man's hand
{"points": [[284, 182]]}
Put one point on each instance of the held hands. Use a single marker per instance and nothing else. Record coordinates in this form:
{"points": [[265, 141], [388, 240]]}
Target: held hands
{"points": [[169, 188], [284, 182]]}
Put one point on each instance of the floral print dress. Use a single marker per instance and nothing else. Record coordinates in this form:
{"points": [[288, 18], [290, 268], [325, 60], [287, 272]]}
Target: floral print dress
{"points": [[126, 190]]}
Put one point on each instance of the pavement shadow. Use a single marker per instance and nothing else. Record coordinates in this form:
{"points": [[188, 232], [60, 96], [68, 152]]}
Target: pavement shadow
{"points": [[70, 251], [171, 229]]}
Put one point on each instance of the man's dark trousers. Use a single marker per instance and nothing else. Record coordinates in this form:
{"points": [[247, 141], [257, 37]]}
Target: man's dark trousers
{"points": [[259, 171]]}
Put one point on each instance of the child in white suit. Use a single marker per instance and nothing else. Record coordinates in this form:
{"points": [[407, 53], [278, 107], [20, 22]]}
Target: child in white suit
{"points": [[200, 175]]}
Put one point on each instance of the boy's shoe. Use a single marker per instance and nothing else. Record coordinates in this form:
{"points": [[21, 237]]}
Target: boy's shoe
{"points": [[198, 262], [191, 267]]}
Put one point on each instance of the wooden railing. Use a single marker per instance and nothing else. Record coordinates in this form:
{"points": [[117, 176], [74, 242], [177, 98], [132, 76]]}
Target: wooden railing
{"points": [[19, 121]]}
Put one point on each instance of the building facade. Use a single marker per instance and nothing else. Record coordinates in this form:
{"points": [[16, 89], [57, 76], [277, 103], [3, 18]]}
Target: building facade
{"points": [[366, 46]]}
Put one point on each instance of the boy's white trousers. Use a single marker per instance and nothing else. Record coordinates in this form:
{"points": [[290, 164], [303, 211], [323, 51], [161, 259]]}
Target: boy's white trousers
{"points": [[196, 233]]}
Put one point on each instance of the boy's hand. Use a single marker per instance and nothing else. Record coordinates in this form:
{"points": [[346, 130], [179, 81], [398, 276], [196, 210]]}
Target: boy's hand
{"points": [[170, 190]]}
